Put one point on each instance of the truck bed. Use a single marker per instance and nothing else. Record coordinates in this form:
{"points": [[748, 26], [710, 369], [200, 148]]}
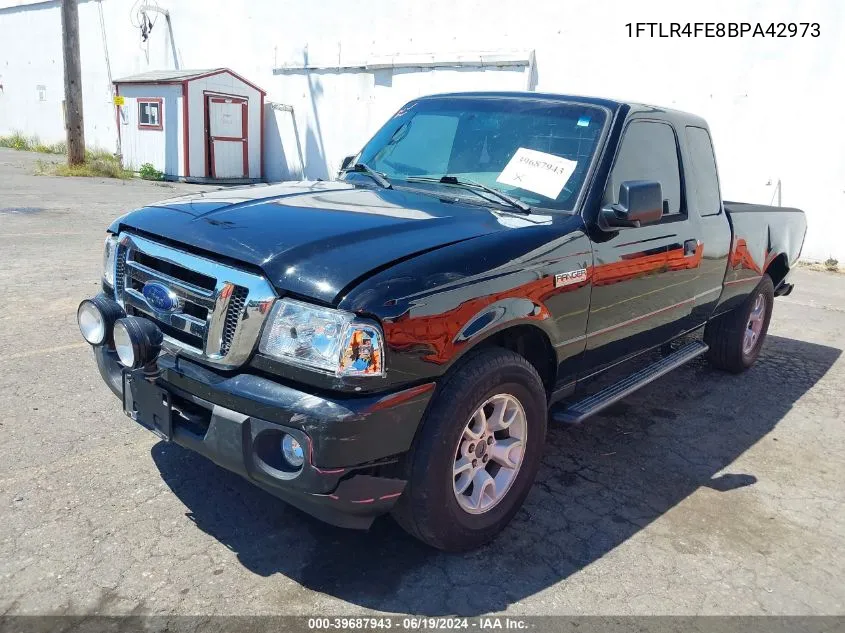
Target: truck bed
{"points": [[761, 233], [747, 207]]}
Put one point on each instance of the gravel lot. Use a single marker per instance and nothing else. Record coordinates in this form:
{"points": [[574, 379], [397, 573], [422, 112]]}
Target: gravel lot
{"points": [[702, 494]]}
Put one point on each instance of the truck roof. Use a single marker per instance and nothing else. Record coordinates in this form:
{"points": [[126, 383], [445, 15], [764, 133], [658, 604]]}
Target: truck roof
{"points": [[677, 116]]}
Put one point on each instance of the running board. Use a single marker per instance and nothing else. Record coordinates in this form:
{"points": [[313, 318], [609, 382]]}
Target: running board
{"points": [[581, 410]]}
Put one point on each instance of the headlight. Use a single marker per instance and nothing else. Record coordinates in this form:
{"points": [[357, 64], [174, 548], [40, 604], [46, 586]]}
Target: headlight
{"points": [[96, 318], [109, 253], [92, 324], [324, 339], [123, 345], [137, 341]]}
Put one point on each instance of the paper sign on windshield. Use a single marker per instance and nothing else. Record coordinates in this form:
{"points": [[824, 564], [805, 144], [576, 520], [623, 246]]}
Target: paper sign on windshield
{"points": [[539, 172]]}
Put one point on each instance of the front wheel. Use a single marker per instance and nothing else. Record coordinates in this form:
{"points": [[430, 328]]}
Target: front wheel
{"points": [[477, 453], [736, 338]]}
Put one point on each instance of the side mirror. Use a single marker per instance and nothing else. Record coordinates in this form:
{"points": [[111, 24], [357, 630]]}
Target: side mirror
{"points": [[640, 203], [347, 162]]}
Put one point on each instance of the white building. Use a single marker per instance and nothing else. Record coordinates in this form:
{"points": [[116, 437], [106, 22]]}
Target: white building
{"points": [[343, 68]]}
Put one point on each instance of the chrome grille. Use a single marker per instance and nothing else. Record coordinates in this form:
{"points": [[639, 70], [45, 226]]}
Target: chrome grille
{"points": [[233, 316], [120, 269], [219, 309]]}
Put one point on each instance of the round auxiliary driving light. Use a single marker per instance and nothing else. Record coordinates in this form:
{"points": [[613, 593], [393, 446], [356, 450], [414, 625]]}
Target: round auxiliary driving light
{"points": [[292, 451], [137, 341], [96, 317]]}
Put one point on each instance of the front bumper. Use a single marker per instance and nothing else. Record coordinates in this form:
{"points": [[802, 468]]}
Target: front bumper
{"points": [[237, 421]]}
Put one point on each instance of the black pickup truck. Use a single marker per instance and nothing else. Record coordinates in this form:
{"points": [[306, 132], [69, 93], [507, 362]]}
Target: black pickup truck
{"points": [[396, 340]]}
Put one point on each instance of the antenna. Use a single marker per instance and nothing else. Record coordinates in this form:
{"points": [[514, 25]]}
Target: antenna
{"points": [[140, 18]]}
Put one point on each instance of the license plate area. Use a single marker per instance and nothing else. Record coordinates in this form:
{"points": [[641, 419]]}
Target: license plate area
{"points": [[147, 404]]}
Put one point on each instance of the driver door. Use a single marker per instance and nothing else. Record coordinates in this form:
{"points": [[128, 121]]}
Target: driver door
{"points": [[643, 278]]}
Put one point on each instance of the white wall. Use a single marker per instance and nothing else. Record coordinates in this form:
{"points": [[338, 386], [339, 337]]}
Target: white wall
{"points": [[162, 148], [340, 111], [772, 103], [31, 56]]}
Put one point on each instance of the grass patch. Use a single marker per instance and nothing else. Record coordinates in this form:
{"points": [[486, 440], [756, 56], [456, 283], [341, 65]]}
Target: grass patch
{"points": [[99, 163], [830, 265], [24, 143], [52, 148], [106, 166], [98, 154]]}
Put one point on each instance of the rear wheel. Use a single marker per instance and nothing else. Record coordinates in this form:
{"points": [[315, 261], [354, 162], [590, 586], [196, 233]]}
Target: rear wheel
{"points": [[477, 454], [736, 338]]}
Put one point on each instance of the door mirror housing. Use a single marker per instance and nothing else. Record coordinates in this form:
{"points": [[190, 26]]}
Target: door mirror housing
{"points": [[640, 203], [347, 162]]}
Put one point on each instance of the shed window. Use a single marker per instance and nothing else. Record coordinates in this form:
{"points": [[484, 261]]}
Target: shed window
{"points": [[149, 114]]}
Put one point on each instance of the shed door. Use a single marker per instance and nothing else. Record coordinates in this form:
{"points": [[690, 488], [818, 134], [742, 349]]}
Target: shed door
{"points": [[227, 137]]}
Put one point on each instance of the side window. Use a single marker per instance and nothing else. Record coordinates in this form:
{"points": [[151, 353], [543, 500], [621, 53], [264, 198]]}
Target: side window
{"points": [[648, 152], [704, 180]]}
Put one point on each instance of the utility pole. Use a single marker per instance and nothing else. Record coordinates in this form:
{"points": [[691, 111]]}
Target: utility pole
{"points": [[73, 83]]}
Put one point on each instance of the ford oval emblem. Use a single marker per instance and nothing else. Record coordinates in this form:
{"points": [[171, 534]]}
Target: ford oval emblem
{"points": [[160, 297]]}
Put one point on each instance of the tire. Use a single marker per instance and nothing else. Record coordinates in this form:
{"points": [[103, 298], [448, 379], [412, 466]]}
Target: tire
{"points": [[429, 508], [726, 334]]}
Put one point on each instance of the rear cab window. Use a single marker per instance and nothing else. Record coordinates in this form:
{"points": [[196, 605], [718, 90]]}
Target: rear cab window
{"points": [[704, 180]]}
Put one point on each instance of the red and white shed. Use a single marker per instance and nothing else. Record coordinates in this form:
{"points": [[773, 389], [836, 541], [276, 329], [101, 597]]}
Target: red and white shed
{"points": [[195, 125]]}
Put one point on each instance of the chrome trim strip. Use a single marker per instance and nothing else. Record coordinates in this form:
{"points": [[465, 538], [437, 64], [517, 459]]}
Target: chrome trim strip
{"points": [[570, 341], [641, 317], [744, 280], [259, 298], [708, 292]]}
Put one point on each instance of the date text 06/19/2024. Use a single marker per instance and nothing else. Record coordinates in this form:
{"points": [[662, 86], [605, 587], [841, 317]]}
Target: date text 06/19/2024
{"points": [[723, 29], [418, 623]]}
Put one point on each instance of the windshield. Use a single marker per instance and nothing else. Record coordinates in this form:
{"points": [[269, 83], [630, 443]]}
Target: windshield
{"points": [[536, 151]]}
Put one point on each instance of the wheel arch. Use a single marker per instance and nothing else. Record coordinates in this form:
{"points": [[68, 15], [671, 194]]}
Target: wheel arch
{"points": [[778, 269], [528, 339]]}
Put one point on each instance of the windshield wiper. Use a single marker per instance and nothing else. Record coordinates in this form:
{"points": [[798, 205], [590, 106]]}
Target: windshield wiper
{"points": [[469, 184], [364, 168]]}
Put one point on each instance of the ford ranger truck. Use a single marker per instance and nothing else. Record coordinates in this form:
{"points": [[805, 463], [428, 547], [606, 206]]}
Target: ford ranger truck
{"points": [[397, 340]]}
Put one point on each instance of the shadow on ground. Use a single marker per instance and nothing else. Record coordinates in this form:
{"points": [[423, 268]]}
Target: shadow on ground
{"points": [[598, 486]]}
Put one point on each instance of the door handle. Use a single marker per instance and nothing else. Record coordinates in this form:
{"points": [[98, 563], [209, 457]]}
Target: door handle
{"points": [[690, 246]]}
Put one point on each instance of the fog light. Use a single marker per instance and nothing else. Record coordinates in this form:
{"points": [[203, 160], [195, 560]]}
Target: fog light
{"points": [[292, 451], [137, 341], [96, 318]]}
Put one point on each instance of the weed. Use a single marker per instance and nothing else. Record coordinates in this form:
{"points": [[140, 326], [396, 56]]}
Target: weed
{"points": [[32, 144], [149, 172], [104, 167], [17, 141]]}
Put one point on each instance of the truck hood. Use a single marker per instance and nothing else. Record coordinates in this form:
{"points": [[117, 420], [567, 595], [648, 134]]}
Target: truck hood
{"points": [[317, 238]]}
